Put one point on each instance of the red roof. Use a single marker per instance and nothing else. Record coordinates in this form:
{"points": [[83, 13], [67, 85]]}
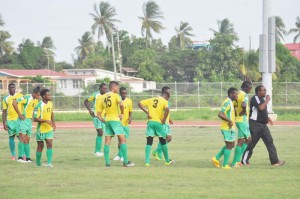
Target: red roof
{"points": [[22, 73], [295, 49]]}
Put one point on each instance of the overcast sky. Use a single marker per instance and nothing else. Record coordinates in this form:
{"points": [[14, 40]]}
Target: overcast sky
{"points": [[67, 20]]}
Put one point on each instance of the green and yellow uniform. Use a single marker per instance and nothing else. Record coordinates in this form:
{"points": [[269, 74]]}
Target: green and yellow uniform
{"points": [[96, 98], [28, 103], [242, 122], [156, 109], [228, 110], [110, 104], [44, 111], [12, 120], [167, 123], [127, 103]]}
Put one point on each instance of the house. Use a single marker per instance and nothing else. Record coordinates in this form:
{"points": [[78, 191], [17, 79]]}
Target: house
{"points": [[295, 49]]}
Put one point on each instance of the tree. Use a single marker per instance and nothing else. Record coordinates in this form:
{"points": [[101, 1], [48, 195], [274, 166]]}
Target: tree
{"points": [[279, 29], [150, 20], [296, 30], [226, 28], [6, 47], [47, 45], [183, 34], [1, 21], [104, 21], [86, 47]]}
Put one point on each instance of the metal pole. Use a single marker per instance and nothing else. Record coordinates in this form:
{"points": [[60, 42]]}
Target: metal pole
{"points": [[198, 94], [113, 56], [119, 55], [176, 93]]}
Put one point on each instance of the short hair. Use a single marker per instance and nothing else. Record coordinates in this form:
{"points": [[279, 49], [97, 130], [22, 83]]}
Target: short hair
{"points": [[231, 90], [44, 91], [122, 89], [165, 88], [258, 88], [37, 89], [113, 83], [246, 84], [165, 94], [102, 84], [11, 84]]}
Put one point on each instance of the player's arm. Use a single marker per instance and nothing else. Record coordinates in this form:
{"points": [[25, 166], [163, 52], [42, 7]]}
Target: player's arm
{"points": [[4, 119], [222, 116], [15, 105], [99, 109], [88, 107], [262, 106], [37, 118], [130, 117], [171, 121], [244, 107], [53, 121], [166, 113], [144, 109]]}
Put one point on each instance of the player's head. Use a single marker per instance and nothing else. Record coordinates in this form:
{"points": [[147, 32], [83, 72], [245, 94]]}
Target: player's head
{"points": [[103, 88], [36, 92], [232, 93], [11, 88], [114, 86], [45, 93], [123, 93], [246, 86], [166, 95], [166, 89], [260, 91]]}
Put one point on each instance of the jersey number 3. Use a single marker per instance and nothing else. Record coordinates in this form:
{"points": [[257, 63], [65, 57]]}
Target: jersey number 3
{"points": [[155, 103]]}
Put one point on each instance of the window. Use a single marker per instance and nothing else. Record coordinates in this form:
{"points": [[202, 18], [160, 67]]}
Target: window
{"points": [[63, 83], [75, 83], [144, 84]]}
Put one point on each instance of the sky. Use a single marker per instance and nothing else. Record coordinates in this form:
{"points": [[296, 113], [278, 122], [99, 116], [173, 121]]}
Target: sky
{"points": [[65, 21]]}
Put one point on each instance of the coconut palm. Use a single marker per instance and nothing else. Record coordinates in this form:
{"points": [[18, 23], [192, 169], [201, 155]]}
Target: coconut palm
{"points": [[279, 29], [47, 45], [226, 28], [86, 47], [183, 34], [1, 21], [150, 20], [104, 21], [6, 47], [296, 30]]}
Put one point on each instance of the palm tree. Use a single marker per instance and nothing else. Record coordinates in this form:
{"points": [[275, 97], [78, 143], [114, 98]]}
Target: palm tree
{"points": [[86, 47], [6, 47], [1, 21], [279, 29], [183, 34], [104, 21], [150, 20], [226, 28], [296, 30]]}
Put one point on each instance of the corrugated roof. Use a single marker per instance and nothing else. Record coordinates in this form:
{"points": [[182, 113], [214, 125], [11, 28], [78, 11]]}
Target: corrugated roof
{"points": [[22, 73], [295, 49]]}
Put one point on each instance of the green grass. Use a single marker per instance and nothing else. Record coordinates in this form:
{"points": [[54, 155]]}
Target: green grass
{"points": [[79, 174]]}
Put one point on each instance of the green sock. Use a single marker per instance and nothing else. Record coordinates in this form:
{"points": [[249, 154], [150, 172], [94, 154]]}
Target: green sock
{"points": [[236, 156], [12, 145], [147, 153], [27, 150], [165, 151], [244, 147], [226, 156], [158, 150], [38, 158], [220, 153], [123, 149], [106, 154], [98, 144], [49, 156], [21, 149], [120, 153]]}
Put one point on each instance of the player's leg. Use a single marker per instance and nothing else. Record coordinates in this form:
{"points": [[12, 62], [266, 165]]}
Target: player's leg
{"points": [[27, 148], [229, 138], [21, 147], [109, 133], [148, 150], [237, 153], [39, 150], [11, 138], [49, 151], [98, 142]]}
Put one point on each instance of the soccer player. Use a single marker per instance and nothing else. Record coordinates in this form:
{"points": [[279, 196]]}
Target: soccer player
{"points": [[10, 117], [227, 115], [157, 111], [258, 127], [157, 153], [43, 114], [28, 103], [126, 120], [97, 123], [111, 104], [242, 123]]}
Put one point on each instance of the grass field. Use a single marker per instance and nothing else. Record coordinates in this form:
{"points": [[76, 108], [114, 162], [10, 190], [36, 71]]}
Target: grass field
{"points": [[79, 174]]}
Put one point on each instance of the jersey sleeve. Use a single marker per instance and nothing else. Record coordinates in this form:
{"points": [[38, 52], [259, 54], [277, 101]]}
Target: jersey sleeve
{"points": [[145, 102], [255, 101], [22, 100], [130, 106], [91, 98], [4, 105], [98, 105], [225, 106], [37, 112]]}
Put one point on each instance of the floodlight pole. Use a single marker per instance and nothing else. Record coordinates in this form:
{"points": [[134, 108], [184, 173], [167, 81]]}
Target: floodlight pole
{"points": [[113, 55]]}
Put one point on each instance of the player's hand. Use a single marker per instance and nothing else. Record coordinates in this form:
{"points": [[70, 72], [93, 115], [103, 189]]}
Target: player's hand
{"points": [[163, 121], [22, 117], [242, 113], [171, 121], [149, 117], [129, 121], [121, 116], [5, 127], [49, 122], [53, 126], [230, 124], [268, 98], [270, 121]]}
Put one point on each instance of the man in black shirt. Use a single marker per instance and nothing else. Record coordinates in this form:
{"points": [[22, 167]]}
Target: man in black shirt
{"points": [[258, 126]]}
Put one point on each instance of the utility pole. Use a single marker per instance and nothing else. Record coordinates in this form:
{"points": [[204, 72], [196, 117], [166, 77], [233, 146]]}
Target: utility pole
{"points": [[113, 55], [119, 55]]}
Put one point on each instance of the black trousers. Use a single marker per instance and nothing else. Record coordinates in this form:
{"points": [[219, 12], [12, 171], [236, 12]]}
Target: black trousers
{"points": [[259, 130]]}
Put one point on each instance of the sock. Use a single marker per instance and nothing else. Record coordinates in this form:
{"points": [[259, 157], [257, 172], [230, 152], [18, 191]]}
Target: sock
{"points": [[21, 146], [220, 153], [244, 147], [106, 154], [158, 150], [49, 156], [38, 158], [237, 155], [147, 154], [98, 144], [123, 149], [226, 157], [27, 150], [12, 145], [120, 153], [165, 151]]}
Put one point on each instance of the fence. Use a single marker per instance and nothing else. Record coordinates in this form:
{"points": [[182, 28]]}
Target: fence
{"points": [[183, 95]]}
